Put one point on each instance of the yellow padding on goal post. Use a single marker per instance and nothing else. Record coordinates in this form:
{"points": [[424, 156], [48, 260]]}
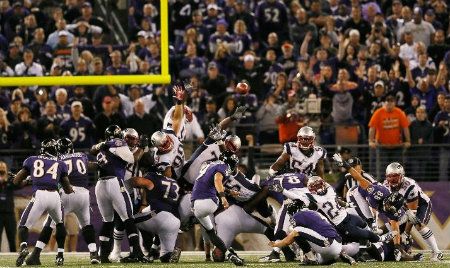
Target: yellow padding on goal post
{"points": [[163, 78]]}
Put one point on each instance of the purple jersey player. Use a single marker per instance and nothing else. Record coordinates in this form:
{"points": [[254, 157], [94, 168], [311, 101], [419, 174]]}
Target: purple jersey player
{"points": [[160, 217], [113, 156], [207, 186], [45, 171]]}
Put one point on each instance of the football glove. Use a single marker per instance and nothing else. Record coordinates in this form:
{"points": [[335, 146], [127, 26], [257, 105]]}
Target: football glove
{"points": [[239, 113]]}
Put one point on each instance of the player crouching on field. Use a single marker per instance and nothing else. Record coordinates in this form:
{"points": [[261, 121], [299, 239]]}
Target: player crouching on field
{"points": [[315, 236]]}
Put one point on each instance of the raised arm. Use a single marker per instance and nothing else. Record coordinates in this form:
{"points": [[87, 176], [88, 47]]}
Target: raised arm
{"points": [[364, 183], [178, 112], [238, 114]]}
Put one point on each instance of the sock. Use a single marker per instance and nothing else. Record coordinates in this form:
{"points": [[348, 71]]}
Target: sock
{"points": [[277, 250], [118, 237], [44, 237], [429, 238], [89, 236], [38, 247], [105, 234], [133, 237], [60, 236], [216, 240], [60, 250], [23, 236]]}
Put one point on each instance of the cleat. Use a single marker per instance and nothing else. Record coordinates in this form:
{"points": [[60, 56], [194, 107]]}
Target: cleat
{"points": [[154, 253], [114, 256], [347, 259], [175, 256], [59, 261], [94, 258], [388, 236], [437, 256], [104, 259], [22, 255], [272, 257], [135, 258], [33, 260], [234, 258]]}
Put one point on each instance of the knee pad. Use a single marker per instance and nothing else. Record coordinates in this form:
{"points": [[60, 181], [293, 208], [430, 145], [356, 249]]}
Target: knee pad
{"points": [[45, 235], [23, 233], [88, 234]]}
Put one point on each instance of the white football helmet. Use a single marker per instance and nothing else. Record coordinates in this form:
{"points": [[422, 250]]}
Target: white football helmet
{"points": [[394, 174], [305, 138], [232, 143], [162, 142], [131, 136], [316, 185]]}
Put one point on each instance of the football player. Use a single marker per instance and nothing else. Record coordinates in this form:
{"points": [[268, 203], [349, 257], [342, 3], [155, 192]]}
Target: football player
{"points": [[45, 171], [357, 196], [207, 186], [160, 217], [137, 147], [77, 202], [113, 156], [303, 156], [416, 201], [169, 152], [312, 232], [389, 205]]}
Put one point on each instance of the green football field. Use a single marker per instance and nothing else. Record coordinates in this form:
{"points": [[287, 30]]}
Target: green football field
{"points": [[196, 260]]}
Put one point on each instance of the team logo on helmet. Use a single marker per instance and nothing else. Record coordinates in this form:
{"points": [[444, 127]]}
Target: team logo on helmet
{"points": [[306, 138]]}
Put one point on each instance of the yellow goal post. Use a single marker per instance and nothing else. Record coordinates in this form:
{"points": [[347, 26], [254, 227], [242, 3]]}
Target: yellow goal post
{"points": [[163, 78]]}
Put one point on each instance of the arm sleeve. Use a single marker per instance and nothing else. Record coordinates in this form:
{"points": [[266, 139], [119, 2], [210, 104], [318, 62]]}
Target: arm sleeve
{"points": [[196, 129], [124, 153]]}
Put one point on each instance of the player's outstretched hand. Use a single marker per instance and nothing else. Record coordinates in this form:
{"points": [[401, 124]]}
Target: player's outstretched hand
{"points": [[179, 92], [239, 113], [216, 133], [338, 160]]}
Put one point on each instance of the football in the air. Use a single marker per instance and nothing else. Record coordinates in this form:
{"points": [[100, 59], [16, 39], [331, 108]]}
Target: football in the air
{"points": [[242, 88]]}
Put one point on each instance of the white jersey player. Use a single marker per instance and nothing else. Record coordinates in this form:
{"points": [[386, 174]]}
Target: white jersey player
{"points": [[417, 201], [169, 152], [303, 156]]}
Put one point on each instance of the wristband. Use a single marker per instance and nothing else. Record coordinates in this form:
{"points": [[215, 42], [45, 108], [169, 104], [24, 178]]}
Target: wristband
{"points": [[347, 165], [179, 102], [221, 194]]}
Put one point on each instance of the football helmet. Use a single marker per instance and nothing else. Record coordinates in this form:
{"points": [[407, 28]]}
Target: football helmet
{"points": [[113, 132], [232, 143], [131, 136], [162, 142], [305, 138], [316, 185], [230, 159], [394, 174], [295, 206], [393, 203], [64, 146], [48, 147]]}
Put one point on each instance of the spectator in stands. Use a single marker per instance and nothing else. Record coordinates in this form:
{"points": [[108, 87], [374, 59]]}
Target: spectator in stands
{"points": [[48, 125], [28, 67], [410, 111], [4, 130], [86, 15], [97, 66], [266, 116], [389, 132], [5, 70], [62, 107], [78, 127], [427, 93], [23, 130], [271, 16], [7, 213], [289, 119], [440, 104], [38, 107], [63, 51], [301, 28], [41, 50], [212, 17], [242, 13], [357, 22], [14, 56], [287, 59], [107, 117], [191, 64], [408, 49], [220, 36], [197, 98], [241, 40], [84, 31], [53, 38], [439, 47], [211, 118], [14, 20], [144, 122], [422, 134], [215, 83], [441, 126], [252, 71], [421, 30], [79, 94], [116, 66]]}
